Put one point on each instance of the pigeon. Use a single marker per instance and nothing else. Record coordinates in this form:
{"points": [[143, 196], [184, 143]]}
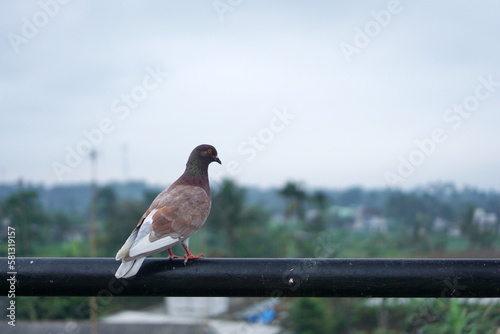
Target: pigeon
{"points": [[175, 215]]}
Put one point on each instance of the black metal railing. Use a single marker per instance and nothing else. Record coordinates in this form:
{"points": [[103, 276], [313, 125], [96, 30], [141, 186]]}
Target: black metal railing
{"points": [[256, 277]]}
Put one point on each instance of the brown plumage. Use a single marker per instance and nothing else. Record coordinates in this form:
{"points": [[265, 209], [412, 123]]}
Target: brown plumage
{"points": [[175, 214]]}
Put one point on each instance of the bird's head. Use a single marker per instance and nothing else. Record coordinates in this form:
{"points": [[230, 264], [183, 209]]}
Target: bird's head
{"points": [[205, 153]]}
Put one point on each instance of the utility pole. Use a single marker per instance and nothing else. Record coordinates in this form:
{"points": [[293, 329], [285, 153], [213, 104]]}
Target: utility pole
{"points": [[93, 204], [93, 234]]}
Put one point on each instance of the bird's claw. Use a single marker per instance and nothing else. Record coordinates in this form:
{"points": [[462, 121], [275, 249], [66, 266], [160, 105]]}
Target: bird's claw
{"points": [[172, 256], [192, 257]]}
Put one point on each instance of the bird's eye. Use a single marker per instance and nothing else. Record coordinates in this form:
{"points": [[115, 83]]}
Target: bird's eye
{"points": [[209, 151]]}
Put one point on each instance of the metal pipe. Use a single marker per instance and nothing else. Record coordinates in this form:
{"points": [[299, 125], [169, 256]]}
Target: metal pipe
{"points": [[257, 277]]}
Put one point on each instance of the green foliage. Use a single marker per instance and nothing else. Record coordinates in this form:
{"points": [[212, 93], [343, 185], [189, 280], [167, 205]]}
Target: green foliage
{"points": [[351, 196], [296, 197], [237, 228], [433, 316], [479, 237], [332, 315], [460, 319], [320, 202], [35, 308], [64, 226], [227, 213], [76, 248], [237, 225], [309, 316], [24, 211], [118, 219], [406, 207], [450, 316]]}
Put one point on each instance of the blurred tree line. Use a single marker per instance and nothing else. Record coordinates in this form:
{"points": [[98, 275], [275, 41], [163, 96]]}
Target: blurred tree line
{"points": [[290, 221], [391, 316]]}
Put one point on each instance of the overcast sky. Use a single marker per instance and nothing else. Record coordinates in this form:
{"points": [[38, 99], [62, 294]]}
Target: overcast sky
{"points": [[329, 93]]}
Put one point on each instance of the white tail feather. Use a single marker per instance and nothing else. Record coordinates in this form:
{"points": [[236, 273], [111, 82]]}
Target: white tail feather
{"points": [[126, 246], [145, 246], [129, 268]]}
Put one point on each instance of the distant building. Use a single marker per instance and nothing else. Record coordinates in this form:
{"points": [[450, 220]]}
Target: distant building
{"points": [[194, 315], [369, 220], [485, 220], [445, 226], [196, 306], [338, 216], [342, 212], [440, 225]]}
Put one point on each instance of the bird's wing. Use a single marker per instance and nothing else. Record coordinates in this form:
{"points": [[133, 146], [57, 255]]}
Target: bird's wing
{"points": [[178, 214], [188, 212], [160, 201]]}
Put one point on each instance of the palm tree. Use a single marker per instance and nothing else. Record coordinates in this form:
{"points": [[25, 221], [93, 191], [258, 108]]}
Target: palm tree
{"points": [[228, 211], [319, 200], [296, 197]]}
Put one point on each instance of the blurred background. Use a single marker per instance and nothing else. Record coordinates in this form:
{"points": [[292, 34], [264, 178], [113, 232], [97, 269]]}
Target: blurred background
{"points": [[364, 129]]}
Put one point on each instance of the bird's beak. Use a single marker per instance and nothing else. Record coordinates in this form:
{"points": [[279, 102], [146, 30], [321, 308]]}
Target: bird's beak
{"points": [[216, 159]]}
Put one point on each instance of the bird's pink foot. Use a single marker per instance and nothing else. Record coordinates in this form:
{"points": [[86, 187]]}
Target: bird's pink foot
{"points": [[172, 256], [189, 255]]}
